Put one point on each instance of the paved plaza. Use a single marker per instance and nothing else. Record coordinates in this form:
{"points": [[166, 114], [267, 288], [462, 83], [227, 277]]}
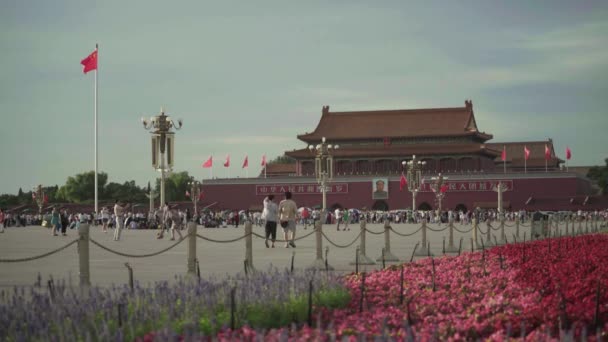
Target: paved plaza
{"points": [[215, 258]]}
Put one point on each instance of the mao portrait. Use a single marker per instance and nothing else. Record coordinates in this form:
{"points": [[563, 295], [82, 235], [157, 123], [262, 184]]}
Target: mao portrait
{"points": [[380, 188]]}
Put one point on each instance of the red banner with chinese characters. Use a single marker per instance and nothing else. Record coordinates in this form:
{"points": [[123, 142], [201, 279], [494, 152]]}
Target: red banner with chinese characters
{"points": [[300, 189], [472, 185]]}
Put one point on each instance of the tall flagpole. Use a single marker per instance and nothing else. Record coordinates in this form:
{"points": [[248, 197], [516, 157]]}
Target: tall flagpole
{"points": [[504, 161], [96, 185]]}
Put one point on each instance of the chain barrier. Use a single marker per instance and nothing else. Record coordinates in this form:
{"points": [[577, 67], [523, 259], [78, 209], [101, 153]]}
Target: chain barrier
{"points": [[495, 229], [41, 255], [524, 225], [463, 231], [481, 231], [223, 241], [406, 235], [279, 240], [509, 225], [374, 233], [436, 230], [341, 246], [127, 255]]}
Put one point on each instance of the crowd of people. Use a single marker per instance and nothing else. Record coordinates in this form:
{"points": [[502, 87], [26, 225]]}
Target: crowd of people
{"points": [[285, 214]]}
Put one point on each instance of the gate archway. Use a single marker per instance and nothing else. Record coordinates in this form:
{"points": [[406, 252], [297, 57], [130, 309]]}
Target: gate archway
{"points": [[380, 205], [425, 206]]}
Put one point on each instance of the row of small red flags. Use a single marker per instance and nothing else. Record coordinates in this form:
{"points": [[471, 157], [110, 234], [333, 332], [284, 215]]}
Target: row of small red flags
{"points": [[503, 155], [209, 163]]}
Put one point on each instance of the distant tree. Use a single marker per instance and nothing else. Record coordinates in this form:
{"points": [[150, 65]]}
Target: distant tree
{"points": [[8, 200], [599, 174], [282, 160], [81, 187], [176, 186]]}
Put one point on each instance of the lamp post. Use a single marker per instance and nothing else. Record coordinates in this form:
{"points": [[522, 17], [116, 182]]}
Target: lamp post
{"points": [[500, 188], [437, 187], [324, 169], [414, 177], [38, 195], [195, 192], [152, 195], [162, 145]]}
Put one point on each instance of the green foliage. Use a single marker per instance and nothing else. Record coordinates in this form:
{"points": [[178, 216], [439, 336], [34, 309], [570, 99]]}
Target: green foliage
{"points": [[282, 160], [175, 186], [600, 175], [81, 187], [8, 200]]}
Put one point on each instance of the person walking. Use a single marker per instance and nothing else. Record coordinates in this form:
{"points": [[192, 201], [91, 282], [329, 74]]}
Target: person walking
{"points": [[119, 213], [338, 215], [270, 214], [105, 217], [55, 221], [287, 215], [345, 218], [305, 216], [176, 222], [1, 221]]}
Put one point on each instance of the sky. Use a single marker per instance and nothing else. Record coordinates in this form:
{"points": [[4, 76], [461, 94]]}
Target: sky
{"points": [[246, 77]]}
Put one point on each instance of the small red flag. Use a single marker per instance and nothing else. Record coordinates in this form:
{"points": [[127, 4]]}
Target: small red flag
{"points": [[187, 193], [227, 162], [503, 155], [208, 163], [90, 63], [46, 199], [526, 153], [200, 196], [402, 182], [264, 160], [443, 189], [568, 153], [245, 162], [547, 153]]}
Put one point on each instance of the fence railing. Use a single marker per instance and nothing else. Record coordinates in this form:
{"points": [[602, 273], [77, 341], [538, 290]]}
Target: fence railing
{"points": [[537, 230]]}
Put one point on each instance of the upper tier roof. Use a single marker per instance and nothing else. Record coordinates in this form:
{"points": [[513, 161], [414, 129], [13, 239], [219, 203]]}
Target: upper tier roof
{"points": [[433, 122]]}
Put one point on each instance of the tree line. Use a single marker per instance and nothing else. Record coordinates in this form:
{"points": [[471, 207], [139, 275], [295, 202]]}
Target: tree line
{"points": [[79, 189]]}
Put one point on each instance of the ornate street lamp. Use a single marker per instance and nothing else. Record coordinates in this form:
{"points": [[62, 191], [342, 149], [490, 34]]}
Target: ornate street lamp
{"points": [[162, 145], [437, 185], [324, 169], [195, 192], [500, 188], [39, 196], [414, 177]]}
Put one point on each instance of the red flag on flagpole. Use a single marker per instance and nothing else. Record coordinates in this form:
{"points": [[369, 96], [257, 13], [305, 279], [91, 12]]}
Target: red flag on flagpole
{"points": [[443, 189], [187, 193], [246, 162], [526, 153], [227, 162], [547, 153], [90, 62], [46, 199], [208, 163], [402, 182], [264, 160], [503, 155], [568, 153]]}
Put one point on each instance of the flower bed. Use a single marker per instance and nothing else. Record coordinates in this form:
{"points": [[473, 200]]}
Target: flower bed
{"points": [[521, 290], [187, 306], [515, 290]]}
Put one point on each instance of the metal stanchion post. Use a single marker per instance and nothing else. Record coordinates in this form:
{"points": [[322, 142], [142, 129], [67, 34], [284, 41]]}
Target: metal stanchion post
{"points": [[517, 227], [191, 248], [387, 255], [319, 262], [83, 254], [451, 248], [423, 251], [249, 245], [362, 256], [489, 233], [475, 227], [502, 230]]}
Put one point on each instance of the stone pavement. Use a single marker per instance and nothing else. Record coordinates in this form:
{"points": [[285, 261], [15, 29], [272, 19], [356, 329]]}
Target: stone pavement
{"points": [[215, 258]]}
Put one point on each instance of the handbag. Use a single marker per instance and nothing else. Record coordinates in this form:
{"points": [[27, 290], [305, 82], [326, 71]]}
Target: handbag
{"points": [[284, 224]]}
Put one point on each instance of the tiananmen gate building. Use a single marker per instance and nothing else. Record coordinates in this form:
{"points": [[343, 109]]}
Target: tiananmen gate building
{"points": [[373, 145]]}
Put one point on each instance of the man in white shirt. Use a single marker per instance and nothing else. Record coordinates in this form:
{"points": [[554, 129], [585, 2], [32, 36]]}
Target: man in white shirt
{"points": [[270, 214], [119, 213], [338, 215], [287, 215]]}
